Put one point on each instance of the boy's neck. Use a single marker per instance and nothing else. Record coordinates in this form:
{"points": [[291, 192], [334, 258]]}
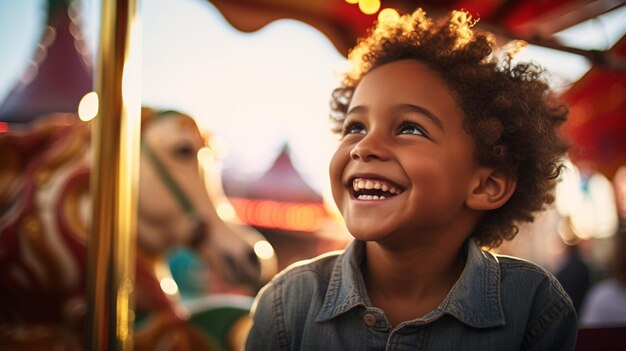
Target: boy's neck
{"points": [[416, 278]]}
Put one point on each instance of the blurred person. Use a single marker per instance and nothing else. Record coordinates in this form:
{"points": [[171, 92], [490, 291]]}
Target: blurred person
{"points": [[574, 275], [444, 147], [605, 305]]}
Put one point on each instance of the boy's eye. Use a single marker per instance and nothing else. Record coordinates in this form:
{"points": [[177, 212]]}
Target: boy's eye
{"points": [[412, 128], [353, 128]]}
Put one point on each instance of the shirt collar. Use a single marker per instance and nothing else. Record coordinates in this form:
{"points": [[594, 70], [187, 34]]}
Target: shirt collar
{"points": [[346, 288], [474, 299]]}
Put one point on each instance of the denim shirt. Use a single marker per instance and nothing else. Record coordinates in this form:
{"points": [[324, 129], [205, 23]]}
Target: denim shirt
{"points": [[498, 303]]}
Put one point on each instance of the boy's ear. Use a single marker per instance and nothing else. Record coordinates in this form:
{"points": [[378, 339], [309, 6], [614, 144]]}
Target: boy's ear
{"points": [[491, 189]]}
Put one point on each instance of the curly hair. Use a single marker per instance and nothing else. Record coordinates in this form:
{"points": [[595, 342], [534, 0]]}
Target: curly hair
{"points": [[509, 110]]}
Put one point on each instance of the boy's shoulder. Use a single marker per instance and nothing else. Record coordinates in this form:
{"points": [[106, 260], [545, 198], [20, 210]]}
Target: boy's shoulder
{"points": [[516, 265], [517, 274], [531, 294]]}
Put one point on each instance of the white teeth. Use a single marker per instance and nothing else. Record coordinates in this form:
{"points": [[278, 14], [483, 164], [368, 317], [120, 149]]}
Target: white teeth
{"points": [[370, 197], [360, 184]]}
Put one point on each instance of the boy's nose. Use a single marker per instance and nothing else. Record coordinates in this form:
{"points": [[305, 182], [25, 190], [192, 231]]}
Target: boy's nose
{"points": [[369, 148]]}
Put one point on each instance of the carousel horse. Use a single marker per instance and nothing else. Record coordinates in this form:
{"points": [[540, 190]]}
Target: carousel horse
{"points": [[44, 224]]}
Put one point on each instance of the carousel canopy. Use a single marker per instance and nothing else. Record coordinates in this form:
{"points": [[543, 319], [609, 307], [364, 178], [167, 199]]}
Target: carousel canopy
{"points": [[597, 125], [597, 121], [60, 74], [535, 21]]}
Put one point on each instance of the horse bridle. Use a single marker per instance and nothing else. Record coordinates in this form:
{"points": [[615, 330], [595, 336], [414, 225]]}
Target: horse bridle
{"points": [[166, 176]]}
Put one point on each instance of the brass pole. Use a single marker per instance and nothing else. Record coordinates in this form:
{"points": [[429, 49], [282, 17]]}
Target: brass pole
{"points": [[115, 142]]}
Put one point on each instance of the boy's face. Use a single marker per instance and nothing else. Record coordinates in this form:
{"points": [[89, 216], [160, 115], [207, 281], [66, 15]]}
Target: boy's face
{"points": [[405, 164]]}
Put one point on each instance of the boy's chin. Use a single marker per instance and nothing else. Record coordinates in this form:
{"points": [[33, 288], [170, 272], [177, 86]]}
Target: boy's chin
{"points": [[367, 234]]}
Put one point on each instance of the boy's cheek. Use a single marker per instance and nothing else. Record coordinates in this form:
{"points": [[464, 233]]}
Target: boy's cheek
{"points": [[338, 191], [336, 168]]}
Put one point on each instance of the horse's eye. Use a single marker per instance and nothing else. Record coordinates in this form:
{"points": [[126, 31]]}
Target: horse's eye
{"points": [[185, 151]]}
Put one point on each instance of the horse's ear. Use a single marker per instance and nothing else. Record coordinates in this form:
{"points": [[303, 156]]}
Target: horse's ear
{"points": [[147, 115]]}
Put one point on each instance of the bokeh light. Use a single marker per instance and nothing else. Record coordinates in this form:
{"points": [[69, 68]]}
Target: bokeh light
{"points": [[388, 15], [588, 202], [369, 7], [168, 285], [88, 106], [263, 249]]}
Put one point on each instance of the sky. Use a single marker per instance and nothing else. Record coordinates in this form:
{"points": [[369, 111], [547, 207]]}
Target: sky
{"points": [[255, 92]]}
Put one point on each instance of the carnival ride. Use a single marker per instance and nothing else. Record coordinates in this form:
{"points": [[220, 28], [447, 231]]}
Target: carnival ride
{"points": [[596, 127], [44, 194]]}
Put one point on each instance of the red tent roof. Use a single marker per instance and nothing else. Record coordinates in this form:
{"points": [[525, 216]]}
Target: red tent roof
{"points": [[281, 182], [532, 20], [597, 122], [61, 75]]}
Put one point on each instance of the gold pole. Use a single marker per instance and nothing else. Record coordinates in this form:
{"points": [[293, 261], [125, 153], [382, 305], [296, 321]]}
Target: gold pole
{"points": [[115, 141]]}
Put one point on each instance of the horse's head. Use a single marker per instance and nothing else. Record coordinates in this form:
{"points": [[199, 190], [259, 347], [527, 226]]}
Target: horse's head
{"points": [[175, 208]]}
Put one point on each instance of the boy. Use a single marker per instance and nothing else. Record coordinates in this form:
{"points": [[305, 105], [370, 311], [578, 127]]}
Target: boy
{"points": [[442, 150]]}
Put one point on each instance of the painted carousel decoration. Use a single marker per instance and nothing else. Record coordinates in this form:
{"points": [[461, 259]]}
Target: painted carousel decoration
{"points": [[44, 196], [45, 217], [343, 21]]}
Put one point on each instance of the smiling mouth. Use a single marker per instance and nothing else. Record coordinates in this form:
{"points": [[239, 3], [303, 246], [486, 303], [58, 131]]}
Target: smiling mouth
{"points": [[374, 189]]}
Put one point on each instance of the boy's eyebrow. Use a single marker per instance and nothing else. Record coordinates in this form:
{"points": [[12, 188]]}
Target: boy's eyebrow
{"points": [[356, 109], [421, 110]]}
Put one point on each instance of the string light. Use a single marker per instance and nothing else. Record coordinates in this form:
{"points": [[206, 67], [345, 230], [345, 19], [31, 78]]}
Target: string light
{"points": [[388, 15], [293, 216], [369, 7]]}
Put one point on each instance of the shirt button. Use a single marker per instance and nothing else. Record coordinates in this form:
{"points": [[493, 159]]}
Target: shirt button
{"points": [[369, 319]]}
